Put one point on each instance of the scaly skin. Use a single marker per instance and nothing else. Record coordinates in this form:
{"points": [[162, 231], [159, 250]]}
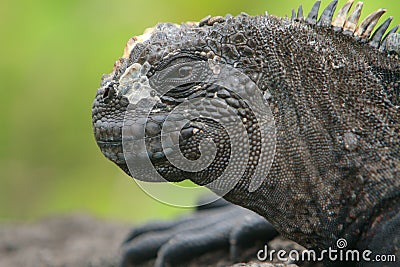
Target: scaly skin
{"points": [[335, 102]]}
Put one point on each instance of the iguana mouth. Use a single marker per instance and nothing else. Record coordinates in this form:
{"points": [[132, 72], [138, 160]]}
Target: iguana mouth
{"points": [[112, 141], [109, 140]]}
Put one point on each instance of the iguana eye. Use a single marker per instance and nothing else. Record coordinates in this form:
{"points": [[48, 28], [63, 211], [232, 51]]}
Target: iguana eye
{"points": [[185, 71], [181, 71]]}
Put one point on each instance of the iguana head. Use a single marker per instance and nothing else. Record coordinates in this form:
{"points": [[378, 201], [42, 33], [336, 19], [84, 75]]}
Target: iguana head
{"points": [[166, 91], [178, 96]]}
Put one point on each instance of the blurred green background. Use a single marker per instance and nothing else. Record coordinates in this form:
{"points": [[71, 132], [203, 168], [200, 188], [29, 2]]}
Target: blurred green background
{"points": [[53, 54]]}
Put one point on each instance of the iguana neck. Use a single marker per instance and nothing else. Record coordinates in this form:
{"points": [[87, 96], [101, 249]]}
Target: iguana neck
{"points": [[330, 109]]}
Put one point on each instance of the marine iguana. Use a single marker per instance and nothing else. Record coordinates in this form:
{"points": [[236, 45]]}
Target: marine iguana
{"points": [[332, 91]]}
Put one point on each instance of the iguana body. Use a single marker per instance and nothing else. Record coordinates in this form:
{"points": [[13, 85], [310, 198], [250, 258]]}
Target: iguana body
{"points": [[335, 102]]}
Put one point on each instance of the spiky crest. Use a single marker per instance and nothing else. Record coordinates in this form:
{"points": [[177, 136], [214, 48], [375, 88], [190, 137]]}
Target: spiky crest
{"points": [[349, 24]]}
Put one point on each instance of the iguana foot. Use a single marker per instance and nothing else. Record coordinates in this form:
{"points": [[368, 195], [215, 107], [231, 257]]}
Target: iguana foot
{"points": [[222, 227]]}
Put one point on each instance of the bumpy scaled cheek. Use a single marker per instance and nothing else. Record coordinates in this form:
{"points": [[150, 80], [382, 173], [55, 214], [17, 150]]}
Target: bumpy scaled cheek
{"points": [[107, 118], [160, 133], [191, 140]]}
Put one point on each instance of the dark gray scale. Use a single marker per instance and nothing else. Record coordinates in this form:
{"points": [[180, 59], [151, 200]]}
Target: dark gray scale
{"points": [[300, 13], [313, 15], [391, 42], [327, 14], [377, 37]]}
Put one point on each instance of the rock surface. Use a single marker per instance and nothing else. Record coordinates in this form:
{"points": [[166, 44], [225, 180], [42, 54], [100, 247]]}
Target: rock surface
{"points": [[84, 241], [74, 240]]}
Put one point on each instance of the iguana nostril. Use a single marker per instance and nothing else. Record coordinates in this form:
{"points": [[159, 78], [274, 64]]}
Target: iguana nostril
{"points": [[109, 94], [106, 92]]}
